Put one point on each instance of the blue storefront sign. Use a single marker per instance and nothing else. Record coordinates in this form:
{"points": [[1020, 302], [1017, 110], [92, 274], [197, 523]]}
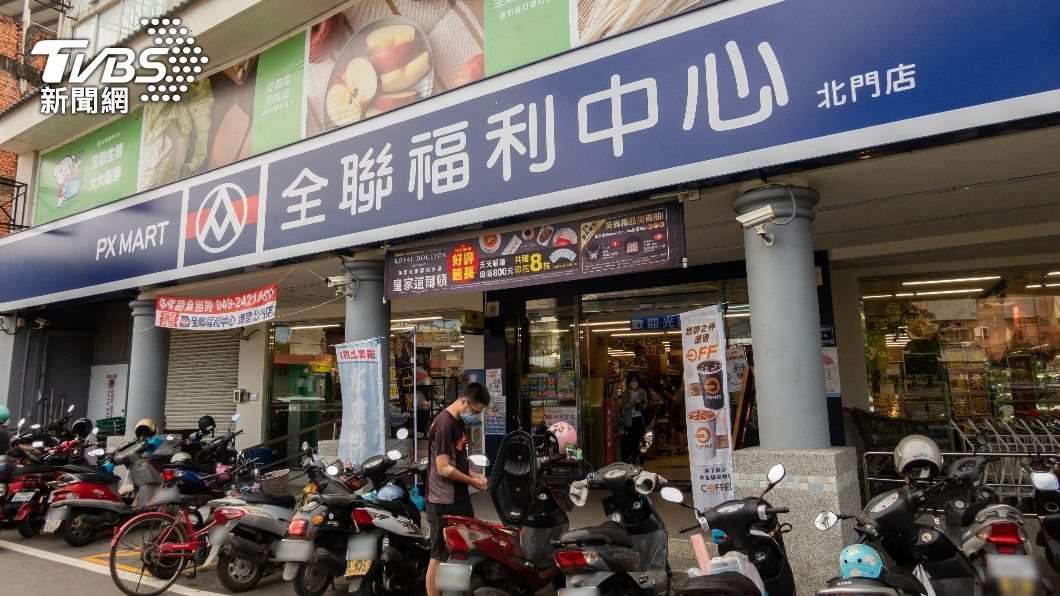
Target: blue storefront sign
{"points": [[731, 87], [654, 323]]}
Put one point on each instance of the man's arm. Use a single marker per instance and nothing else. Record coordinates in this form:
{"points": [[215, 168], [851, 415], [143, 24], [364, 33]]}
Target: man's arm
{"points": [[449, 472]]}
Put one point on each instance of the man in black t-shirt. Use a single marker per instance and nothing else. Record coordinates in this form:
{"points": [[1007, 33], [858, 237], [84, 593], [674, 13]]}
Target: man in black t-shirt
{"points": [[450, 475]]}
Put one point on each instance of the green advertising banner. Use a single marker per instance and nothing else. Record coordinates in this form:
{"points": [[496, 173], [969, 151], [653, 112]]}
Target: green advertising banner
{"points": [[91, 171], [520, 31], [278, 95]]}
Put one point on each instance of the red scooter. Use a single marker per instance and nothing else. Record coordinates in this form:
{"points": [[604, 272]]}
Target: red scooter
{"points": [[516, 559]]}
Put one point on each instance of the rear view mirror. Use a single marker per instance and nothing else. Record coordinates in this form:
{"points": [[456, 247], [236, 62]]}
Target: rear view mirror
{"points": [[171, 437], [305, 445], [98, 452], [673, 495], [825, 520], [21, 421], [403, 433], [424, 461], [479, 460], [235, 417], [35, 426], [394, 454], [1045, 481], [776, 474], [332, 470], [95, 430], [70, 409], [37, 444]]}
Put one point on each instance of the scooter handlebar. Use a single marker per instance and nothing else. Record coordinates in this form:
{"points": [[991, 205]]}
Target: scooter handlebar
{"points": [[688, 529], [777, 510]]}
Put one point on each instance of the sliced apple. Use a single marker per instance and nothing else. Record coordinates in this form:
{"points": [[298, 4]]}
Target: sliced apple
{"points": [[395, 56], [390, 35], [342, 106], [372, 110], [361, 79], [409, 75], [391, 101]]}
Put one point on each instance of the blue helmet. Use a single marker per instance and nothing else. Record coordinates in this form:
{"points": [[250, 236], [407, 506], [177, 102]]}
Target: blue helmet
{"points": [[860, 560], [5, 414]]}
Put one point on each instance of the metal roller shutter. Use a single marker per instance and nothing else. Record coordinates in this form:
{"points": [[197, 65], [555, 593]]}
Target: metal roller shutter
{"points": [[203, 371]]}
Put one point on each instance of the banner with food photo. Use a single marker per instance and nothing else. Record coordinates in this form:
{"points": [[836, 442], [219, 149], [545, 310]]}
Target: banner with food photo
{"points": [[707, 405], [248, 107], [638, 239], [373, 57]]}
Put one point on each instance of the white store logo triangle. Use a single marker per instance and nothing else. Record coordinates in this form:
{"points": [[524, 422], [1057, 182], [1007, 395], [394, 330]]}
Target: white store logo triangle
{"points": [[224, 221]]}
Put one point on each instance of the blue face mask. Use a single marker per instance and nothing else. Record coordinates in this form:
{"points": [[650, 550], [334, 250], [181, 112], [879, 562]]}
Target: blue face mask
{"points": [[471, 418]]}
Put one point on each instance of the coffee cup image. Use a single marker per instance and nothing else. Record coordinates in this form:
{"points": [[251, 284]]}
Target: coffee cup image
{"points": [[711, 383], [703, 431]]}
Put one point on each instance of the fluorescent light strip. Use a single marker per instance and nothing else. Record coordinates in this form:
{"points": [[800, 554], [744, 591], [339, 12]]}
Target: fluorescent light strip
{"points": [[626, 328], [604, 323], [317, 326], [640, 334], [954, 280], [962, 291], [737, 315], [414, 319], [447, 350], [1053, 273], [873, 296], [410, 328], [903, 294], [1036, 286]]}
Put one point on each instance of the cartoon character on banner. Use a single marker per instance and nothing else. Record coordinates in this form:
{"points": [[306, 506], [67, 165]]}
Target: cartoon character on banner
{"points": [[68, 174]]}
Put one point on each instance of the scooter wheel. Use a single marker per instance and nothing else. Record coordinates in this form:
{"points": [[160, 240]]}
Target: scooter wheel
{"points": [[27, 528], [236, 574], [312, 579], [77, 534], [1052, 558]]}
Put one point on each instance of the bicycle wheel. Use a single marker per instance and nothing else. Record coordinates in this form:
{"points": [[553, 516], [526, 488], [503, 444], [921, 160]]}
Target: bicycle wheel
{"points": [[136, 566]]}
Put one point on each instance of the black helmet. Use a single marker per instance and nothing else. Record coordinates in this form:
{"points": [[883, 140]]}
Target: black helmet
{"points": [[82, 427], [206, 424]]}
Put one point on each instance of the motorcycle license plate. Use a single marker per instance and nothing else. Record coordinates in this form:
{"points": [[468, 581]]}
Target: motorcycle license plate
{"points": [[22, 496], [358, 568], [1009, 567]]}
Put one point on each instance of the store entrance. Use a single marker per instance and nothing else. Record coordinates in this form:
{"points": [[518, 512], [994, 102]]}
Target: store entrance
{"points": [[581, 353]]}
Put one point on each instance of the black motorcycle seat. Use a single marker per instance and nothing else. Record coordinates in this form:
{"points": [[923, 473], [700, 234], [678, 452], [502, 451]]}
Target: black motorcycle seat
{"points": [[93, 478], [729, 583], [264, 499], [394, 507], [903, 581], [609, 532], [76, 469], [35, 469]]}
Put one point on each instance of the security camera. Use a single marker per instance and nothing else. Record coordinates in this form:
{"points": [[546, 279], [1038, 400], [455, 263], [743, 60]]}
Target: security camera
{"points": [[757, 217], [339, 280]]}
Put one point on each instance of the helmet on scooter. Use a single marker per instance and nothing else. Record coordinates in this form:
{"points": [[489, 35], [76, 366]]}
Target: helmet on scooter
{"points": [[5, 414], [566, 435], [82, 427], [860, 560], [145, 428], [180, 458], [206, 425], [918, 457], [390, 492]]}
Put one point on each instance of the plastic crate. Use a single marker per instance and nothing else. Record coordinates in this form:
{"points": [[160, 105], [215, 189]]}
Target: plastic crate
{"points": [[111, 427]]}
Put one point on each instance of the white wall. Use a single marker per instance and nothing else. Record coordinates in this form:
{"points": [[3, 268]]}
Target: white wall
{"points": [[252, 365]]}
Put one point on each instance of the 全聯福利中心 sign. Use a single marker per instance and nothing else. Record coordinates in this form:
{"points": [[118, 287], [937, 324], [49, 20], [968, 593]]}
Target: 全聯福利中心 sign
{"points": [[727, 88]]}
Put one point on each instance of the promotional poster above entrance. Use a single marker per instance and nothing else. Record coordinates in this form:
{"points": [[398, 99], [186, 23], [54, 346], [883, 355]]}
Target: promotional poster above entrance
{"points": [[667, 103], [649, 237]]}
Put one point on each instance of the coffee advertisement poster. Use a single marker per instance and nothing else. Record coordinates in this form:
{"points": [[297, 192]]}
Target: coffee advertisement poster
{"points": [[707, 405]]}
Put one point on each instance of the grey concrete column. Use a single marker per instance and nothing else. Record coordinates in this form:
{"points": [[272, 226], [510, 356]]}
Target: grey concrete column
{"points": [[148, 365], [785, 321], [367, 313]]}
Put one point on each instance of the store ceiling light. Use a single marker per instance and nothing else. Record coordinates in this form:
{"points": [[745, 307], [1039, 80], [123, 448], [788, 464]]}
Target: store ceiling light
{"points": [[874, 296], [1036, 286], [409, 328], [604, 323], [904, 294], [639, 334], [317, 326], [955, 280], [1053, 273], [737, 315], [461, 346], [961, 291], [610, 330], [559, 330], [414, 319], [447, 350]]}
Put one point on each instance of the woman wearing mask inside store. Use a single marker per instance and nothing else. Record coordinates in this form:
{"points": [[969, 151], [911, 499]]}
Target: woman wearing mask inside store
{"points": [[634, 399]]}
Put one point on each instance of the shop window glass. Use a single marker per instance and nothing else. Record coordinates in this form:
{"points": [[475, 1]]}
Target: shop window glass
{"points": [[991, 353]]}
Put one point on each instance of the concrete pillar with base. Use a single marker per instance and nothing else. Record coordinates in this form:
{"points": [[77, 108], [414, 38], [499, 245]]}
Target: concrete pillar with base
{"points": [[789, 383], [368, 312], [148, 365]]}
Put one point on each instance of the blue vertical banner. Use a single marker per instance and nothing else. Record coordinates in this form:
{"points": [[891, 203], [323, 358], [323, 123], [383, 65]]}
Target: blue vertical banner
{"points": [[363, 401]]}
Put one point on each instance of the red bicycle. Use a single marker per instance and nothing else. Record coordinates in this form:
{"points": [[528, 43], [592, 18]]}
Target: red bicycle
{"points": [[148, 553]]}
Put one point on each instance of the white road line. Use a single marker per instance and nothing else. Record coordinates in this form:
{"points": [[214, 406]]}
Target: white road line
{"points": [[93, 567]]}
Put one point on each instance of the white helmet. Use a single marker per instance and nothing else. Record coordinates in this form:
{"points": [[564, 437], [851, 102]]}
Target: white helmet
{"points": [[917, 456], [180, 458]]}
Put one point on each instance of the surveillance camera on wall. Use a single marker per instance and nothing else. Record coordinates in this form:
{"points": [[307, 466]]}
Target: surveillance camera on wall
{"points": [[757, 217], [339, 280]]}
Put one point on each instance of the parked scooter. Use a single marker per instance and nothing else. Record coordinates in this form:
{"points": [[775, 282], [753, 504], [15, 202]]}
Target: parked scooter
{"points": [[748, 527], [518, 557], [1047, 506], [626, 555], [374, 545], [862, 571]]}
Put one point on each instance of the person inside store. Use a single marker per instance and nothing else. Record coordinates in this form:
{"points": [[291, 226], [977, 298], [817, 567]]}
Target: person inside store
{"points": [[451, 475], [634, 400], [677, 421], [450, 390]]}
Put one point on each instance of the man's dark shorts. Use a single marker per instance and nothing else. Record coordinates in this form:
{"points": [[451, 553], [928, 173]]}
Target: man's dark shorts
{"points": [[435, 512]]}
